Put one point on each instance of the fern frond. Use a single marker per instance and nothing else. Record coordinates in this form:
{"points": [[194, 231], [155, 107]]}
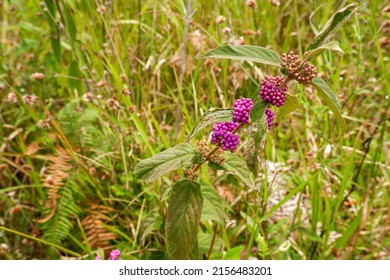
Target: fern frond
{"points": [[263, 249], [56, 172], [97, 235], [58, 228]]}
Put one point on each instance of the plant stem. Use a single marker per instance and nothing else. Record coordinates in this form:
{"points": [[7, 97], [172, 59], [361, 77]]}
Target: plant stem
{"points": [[212, 242]]}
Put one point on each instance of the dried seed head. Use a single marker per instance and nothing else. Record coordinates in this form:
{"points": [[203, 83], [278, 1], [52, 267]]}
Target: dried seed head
{"points": [[30, 99], [126, 91], [101, 83], [218, 158], [275, 2], [113, 104], [220, 19], [132, 109], [12, 98], [202, 147], [88, 97], [37, 76], [251, 3], [384, 41], [190, 174], [101, 9], [226, 30], [44, 124]]}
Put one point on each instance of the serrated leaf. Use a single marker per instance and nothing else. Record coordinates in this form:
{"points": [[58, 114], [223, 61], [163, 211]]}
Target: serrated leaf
{"points": [[330, 98], [290, 105], [182, 221], [257, 111], [171, 159], [212, 116], [237, 166], [245, 53], [332, 26], [212, 205], [331, 46]]}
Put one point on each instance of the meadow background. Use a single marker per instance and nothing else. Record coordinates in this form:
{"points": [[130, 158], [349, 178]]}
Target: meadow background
{"points": [[88, 88]]}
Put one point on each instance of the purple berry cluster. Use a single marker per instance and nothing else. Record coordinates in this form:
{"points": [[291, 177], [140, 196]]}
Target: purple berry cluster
{"points": [[273, 91], [269, 116], [241, 110], [114, 255], [221, 135]]}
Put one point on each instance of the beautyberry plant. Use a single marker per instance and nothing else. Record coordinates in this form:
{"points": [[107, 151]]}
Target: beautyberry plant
{"points": [[189, 195]]}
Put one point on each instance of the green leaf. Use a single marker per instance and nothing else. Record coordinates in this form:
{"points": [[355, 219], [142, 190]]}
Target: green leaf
{"points": [[183, 217], [205, 240], [153, 221], [311, 234], [212, 116], [332, 26], [237, 166], [69, 22], [171, 159], [330, 98], [56, 45], [346, 235], [331, 46], [251, 155], [246, 53], [257, 111], [290, 105], [259, 129], [74, 75], [212, 205], [234, 253]]}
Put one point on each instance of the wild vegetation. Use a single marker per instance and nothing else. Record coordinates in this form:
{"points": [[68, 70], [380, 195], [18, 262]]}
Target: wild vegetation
{"points": [[90, 89]]}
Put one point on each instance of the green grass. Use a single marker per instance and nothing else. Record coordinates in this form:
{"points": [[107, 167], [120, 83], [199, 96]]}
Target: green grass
{"points": [[329, 200]]}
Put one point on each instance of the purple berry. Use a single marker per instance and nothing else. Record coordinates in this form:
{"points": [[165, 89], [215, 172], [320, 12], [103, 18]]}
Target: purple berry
{"points": [[272, 91], [242, 107], [221, 135], [270, 117], [114, 255]]}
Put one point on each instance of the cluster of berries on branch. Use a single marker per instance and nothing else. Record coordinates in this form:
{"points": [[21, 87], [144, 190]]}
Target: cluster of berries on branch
{"points": [[296, 69]]}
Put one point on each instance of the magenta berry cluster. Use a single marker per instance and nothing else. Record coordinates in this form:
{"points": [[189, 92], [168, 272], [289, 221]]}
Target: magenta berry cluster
{"points": [[114, 255], [273, 91], [242, 107], [222, 135], [270, 117]]}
